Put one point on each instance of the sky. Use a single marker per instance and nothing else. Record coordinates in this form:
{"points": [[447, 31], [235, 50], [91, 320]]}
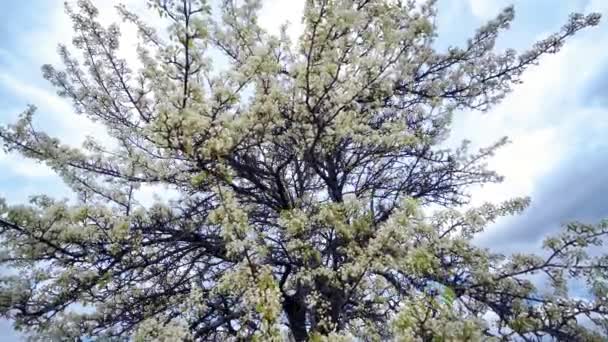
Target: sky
{"points": [[556, 119]]}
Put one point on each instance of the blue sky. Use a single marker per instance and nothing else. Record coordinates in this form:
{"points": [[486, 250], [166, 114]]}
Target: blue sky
{"points": [[557, 119]]}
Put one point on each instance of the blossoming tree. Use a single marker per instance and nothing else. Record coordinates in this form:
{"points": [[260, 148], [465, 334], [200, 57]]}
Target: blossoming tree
{"points": [[303, 168]]}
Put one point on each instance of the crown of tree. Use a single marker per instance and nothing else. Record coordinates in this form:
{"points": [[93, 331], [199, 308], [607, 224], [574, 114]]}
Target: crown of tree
{"points": [[304, 171]]}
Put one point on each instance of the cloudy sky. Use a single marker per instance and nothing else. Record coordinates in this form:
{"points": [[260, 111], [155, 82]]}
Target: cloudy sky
{"points": [[556, 119]]}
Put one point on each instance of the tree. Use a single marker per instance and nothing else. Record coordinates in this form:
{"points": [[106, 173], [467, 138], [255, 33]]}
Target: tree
{"points": [[304, 172]]}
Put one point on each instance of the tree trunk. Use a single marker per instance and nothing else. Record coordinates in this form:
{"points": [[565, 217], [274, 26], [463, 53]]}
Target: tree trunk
{"points": [[296, 314]]}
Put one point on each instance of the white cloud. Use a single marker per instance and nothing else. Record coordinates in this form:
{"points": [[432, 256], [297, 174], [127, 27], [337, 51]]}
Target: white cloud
{"points": [[22, 79], [148, 194], [275, 13], [522, 165], [51, 108], [25, 167], [597, 5], [486, 9], [543, 117]]}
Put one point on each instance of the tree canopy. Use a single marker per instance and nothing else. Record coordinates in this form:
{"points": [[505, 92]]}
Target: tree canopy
{"points": [[304, 170]]}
